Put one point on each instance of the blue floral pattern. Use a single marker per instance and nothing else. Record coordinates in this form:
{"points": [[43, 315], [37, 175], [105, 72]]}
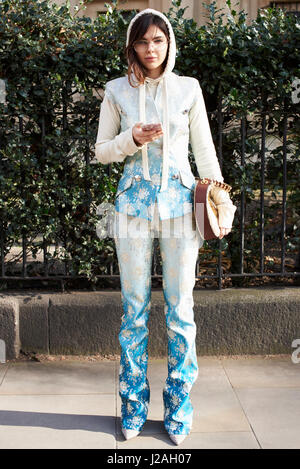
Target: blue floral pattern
{"points": [[179, 256]]}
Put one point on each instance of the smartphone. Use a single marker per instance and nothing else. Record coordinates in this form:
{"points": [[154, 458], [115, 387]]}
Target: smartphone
{"points": [[157, 126]]}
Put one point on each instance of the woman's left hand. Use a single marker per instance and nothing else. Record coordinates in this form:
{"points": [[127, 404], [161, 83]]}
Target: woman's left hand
{"points": [[224, 232]]}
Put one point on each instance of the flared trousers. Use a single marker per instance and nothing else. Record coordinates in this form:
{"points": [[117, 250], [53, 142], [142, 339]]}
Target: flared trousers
{"points": [[179, 244]]}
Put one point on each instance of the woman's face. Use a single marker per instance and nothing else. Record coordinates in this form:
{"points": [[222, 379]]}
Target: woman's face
{"points": [[153, 44]]}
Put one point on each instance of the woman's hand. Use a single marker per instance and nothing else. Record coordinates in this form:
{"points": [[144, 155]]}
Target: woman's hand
{"points": [[146, 133], [224, 232]]}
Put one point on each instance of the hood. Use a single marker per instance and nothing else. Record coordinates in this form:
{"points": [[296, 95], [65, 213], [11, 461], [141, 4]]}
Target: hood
{"points": [[142, 98]]}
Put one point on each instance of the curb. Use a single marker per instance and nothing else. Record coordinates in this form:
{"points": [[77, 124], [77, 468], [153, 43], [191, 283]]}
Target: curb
{"points": [[9, 328], [232, 322]]}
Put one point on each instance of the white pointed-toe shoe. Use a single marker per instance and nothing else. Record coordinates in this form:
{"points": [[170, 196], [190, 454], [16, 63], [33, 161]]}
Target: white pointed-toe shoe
{"points": [[177, 439], [129, 433]]}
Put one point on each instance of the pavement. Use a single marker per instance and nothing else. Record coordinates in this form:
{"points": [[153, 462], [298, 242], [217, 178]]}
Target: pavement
{"points": [[239, 402]]}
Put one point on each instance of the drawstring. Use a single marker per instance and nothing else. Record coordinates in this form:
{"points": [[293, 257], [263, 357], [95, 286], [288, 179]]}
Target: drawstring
{"points": [[142, 110], [165, 170], [142, 102]]}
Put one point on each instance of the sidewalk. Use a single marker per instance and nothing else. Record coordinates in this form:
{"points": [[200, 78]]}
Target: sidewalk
{"points": [[239, 402]]}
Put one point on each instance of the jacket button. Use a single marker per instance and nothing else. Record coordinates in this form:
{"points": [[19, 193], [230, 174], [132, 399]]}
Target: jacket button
{"points": [[137, 178], [175, 176]]}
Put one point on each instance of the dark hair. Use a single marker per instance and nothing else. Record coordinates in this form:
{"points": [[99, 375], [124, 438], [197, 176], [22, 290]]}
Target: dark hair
{"points": [[139, 28]]}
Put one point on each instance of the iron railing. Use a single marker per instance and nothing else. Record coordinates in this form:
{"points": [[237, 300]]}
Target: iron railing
{"points": [[219, 274]]}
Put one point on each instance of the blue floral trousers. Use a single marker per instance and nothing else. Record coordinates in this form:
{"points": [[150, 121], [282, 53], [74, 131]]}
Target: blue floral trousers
{"points": [[179, 247]]}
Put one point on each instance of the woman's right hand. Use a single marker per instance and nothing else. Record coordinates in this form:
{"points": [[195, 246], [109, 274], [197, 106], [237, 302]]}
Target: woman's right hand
{"points": [[146, 133]]}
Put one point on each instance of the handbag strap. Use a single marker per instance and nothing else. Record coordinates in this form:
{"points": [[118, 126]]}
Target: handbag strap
{"points": [[223, 185]]}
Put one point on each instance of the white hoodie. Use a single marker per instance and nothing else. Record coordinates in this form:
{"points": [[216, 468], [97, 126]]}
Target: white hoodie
{"points": [[115, 146]]}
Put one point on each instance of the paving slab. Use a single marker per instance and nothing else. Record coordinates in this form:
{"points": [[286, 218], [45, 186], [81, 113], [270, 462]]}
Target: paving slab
{"points": [[259, 372], [57, 421], [216, 406], [59, 378], [274, 414]]}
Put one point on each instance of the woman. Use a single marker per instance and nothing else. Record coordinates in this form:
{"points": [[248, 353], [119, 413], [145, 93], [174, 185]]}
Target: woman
{"points": [[155, 198]]}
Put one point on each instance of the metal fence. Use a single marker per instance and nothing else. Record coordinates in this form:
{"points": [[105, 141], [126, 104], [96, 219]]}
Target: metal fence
{"points": [[219, 275]]}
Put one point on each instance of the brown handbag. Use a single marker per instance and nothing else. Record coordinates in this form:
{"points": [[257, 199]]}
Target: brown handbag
{"points": [[205, 210]]}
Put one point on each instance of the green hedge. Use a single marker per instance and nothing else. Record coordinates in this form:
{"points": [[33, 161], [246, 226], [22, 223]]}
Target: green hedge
{"points": [[47, 138]]}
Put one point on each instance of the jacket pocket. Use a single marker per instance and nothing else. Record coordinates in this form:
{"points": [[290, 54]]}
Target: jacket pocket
{"points": [[187, 179], [123, 185]]}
